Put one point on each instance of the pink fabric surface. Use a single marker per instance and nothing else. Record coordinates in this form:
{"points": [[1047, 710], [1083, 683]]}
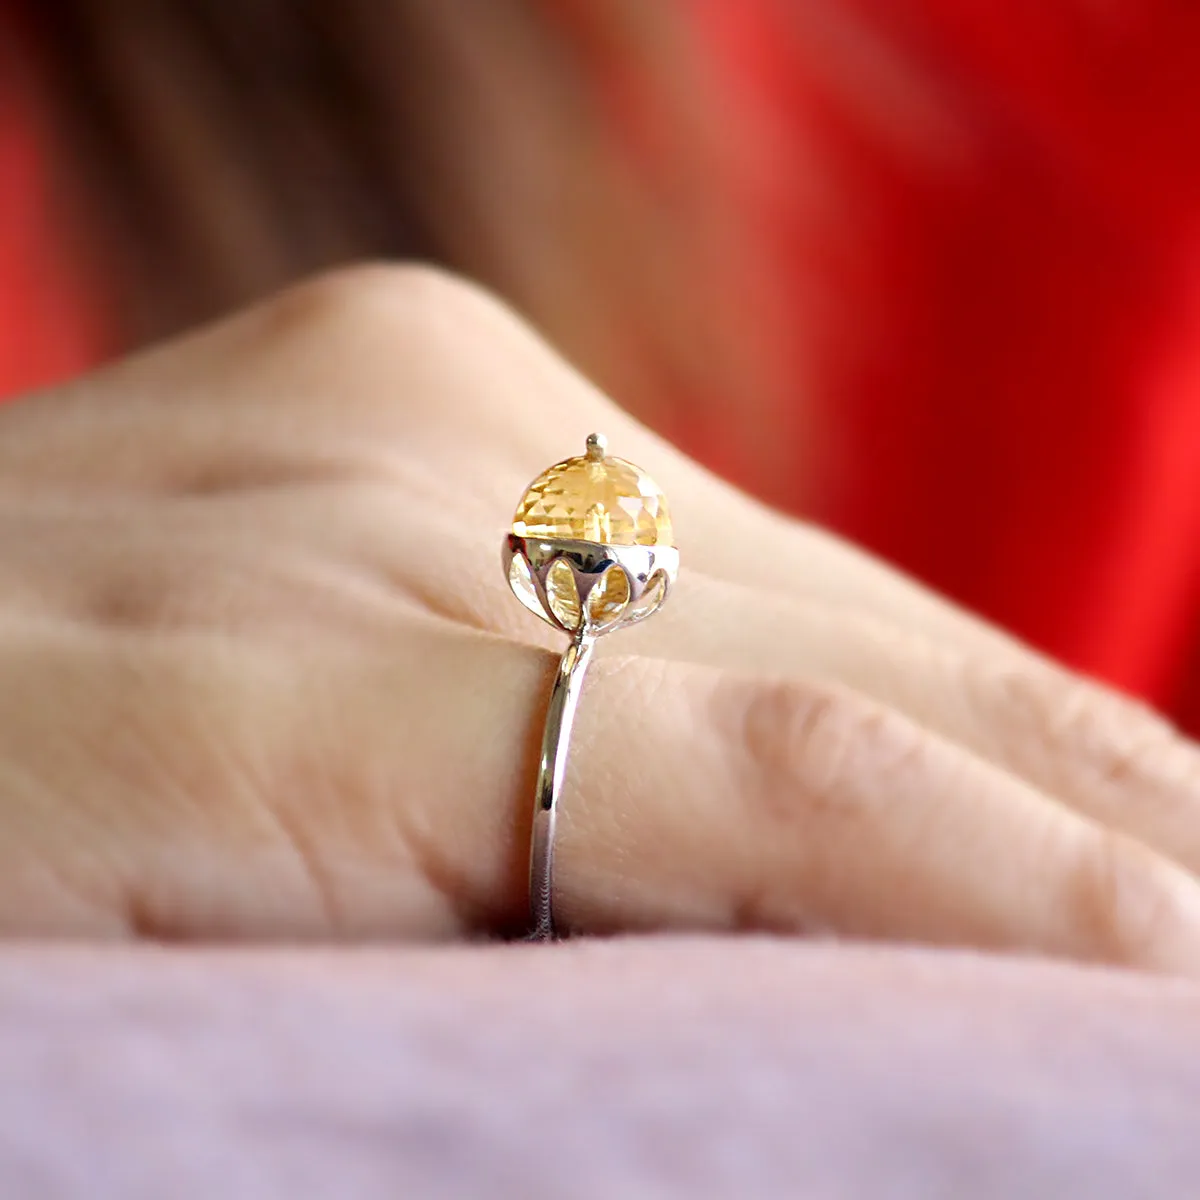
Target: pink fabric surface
{"points": [[639, 1068]]}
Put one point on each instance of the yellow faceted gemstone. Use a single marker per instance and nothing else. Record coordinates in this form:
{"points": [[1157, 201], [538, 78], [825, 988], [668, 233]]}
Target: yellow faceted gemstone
{"points": [[595, 499]]}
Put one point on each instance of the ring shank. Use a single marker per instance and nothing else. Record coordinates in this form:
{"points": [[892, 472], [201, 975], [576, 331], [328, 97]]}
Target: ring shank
{"points": [[552, 770]]}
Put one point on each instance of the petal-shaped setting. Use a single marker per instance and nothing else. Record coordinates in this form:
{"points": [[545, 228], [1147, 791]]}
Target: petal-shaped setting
{"points": [[609, 598], [562, 595], [649, 601], [520, 579]]}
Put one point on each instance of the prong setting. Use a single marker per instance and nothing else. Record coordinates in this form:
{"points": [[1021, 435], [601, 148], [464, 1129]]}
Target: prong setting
{"points": [[588, 562]]}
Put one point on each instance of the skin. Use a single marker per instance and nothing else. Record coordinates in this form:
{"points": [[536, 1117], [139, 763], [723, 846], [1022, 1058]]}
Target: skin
{"points": [[260, 677]]}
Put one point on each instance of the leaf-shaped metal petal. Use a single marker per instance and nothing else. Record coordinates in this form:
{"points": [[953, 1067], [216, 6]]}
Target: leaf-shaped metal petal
{"points": [[520, 579], [649, 601], [562, 595], [608, 598]]}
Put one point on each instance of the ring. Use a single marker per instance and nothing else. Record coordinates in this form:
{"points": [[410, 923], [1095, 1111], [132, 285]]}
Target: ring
{"points": [[591, 551]]}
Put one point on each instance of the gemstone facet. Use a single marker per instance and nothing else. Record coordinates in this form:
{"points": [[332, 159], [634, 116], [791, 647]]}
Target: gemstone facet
{"points": [[595, 498]]}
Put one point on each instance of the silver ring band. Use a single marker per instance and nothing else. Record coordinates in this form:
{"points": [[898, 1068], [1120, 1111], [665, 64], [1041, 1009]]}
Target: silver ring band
{"points": [[590, 552], [552, 770], [649, 572]]}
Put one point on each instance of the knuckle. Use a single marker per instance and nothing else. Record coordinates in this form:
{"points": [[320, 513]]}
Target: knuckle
{"points": [[1124, 903], [1034, 700], [1121, 741], [140, 597], [372, 297], [128, 603], [811, 766], [377, 351], [807, 746], [1127, 743]]}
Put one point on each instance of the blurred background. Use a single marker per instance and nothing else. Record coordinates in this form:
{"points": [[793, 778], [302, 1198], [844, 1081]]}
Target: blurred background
{"points": [[925, 271]]}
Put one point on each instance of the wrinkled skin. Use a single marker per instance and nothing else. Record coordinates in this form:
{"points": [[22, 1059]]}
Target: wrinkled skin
{"points": [[260, 677]]}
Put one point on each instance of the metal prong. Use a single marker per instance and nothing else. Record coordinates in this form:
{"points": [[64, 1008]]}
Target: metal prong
{"points": [[597, 444]]}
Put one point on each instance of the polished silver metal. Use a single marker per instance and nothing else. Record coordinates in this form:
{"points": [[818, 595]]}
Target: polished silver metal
{"points": [[552, 769], [650, 573]]}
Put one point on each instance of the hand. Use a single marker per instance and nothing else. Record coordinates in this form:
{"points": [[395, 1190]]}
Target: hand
{"points": [[260, 675]]}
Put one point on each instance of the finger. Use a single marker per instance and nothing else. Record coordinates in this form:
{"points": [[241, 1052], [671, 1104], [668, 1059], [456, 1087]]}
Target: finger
{"points": [[334, 555], [1107, 756], [225, 789], [701, 799], [1103, 755], [415, 369], [288, 561]]}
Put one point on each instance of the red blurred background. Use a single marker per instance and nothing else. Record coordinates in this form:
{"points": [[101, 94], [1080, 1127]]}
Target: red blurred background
{"points": [[968, 239]]}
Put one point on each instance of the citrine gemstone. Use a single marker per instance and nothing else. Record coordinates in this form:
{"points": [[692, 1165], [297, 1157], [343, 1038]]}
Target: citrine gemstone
{"points": [[595, 499]]}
